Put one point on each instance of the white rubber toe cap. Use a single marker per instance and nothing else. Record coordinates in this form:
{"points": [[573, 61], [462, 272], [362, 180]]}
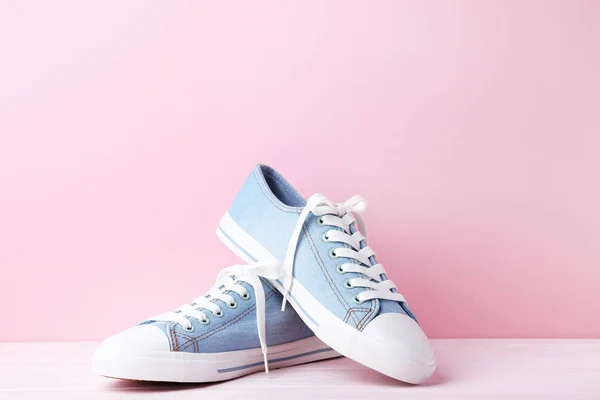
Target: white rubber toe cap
{"points": [[140, 353], [400, 330], [406, 351], [139, 340]]}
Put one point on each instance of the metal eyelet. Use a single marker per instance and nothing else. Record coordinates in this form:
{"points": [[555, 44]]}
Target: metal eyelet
{"points": [[245, 296], [320, 220], [190, 329], [356, 300], [325, 237], [340, 270], [205, 321], [347, 284], [219, 314], [232, 305], [333, 254]]}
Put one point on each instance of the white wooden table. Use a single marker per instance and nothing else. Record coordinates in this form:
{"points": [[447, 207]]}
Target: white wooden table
{"points": [[467, 369]]}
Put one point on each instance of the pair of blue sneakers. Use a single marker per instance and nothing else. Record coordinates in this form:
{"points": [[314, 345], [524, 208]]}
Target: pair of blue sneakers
{"points": [[310, 253]]}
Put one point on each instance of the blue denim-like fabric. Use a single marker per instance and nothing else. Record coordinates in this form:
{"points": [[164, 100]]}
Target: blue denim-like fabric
{"points": [[236, 329], [267, 207]]}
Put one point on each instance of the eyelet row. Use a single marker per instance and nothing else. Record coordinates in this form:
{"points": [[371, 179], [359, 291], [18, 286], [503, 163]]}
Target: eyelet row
{"points": [[325, 238], [347, 285], [339, 268], [245, 296], [332, 252], [205, 321]]}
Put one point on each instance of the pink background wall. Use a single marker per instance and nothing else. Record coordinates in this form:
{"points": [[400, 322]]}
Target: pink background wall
{"points": [[127, 127]]}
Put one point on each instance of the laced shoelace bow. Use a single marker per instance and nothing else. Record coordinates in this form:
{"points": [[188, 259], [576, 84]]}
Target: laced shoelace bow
{"points": [[228, 280], [343, 215]]}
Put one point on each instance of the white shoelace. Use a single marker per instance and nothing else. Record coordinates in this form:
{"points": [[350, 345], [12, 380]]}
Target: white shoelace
{"points": [[343, 215], [229, 279]]}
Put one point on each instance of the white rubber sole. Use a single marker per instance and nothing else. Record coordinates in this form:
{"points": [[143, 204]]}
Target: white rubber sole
{"points": [[208, 367], [346, 340]]}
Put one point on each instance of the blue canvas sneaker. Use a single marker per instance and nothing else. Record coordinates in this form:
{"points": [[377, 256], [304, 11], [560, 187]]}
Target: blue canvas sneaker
{"points": [[235, 330], [328, 273]]}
